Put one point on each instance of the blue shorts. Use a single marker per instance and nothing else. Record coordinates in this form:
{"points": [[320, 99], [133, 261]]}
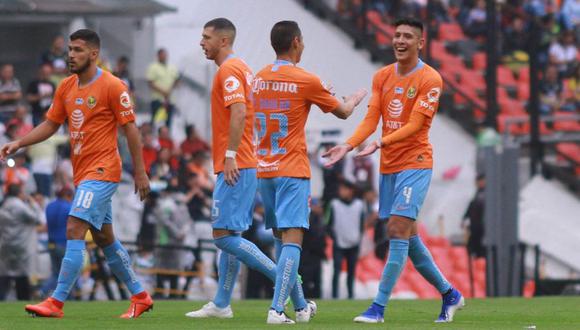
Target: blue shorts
{"points": [[233, 206], [92, 202], [403, 193], [286, 202]]}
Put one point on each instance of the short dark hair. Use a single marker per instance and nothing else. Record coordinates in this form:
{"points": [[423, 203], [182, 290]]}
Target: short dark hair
{"points": [[411, 21], [89, 36], [222, 24], [282, 35]]}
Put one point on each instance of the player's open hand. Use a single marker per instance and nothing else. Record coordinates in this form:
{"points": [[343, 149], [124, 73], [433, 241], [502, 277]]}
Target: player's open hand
{"points": [[8, 149], [357, 96], [142, 185], [369, 149], [231, 171], [335, 154]]}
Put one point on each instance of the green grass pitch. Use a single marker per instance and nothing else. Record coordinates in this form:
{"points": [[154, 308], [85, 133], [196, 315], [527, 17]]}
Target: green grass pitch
{"points": [[503, 313]]}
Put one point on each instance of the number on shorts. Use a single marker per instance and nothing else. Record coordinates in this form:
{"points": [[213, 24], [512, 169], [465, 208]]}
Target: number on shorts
{"points": [[85, 199], [215, 210]]}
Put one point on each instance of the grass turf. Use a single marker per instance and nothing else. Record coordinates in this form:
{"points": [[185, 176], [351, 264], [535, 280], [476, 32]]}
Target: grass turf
{"points": [[502, 313]]}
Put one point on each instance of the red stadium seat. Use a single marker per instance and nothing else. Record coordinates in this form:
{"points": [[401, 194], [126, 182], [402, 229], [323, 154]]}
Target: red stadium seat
{"points": [[564, 124], [523, 92], [479, 61], [451, 32], [524, 75], [505, 76]]}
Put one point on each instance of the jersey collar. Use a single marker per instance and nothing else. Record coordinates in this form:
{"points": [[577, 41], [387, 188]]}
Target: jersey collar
{"points": [[95, 77], [419, 65], [279, 63]]}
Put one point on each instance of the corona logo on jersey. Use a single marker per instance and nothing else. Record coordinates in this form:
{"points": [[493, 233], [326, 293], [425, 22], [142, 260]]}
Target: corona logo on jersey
{"points": [[77, 118], [231, 84], [395, 108], [249, 78], [276, 86]]}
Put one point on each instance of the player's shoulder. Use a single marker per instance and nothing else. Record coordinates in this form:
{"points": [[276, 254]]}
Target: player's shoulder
{"points": [[384, 72], [68, 82], [112, 81], [430, 75]]}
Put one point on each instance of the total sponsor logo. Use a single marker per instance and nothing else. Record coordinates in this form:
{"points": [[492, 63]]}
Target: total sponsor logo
{"points": [[260, 84], [426, 105], [77, 118], [233, 96], [395, 108]]}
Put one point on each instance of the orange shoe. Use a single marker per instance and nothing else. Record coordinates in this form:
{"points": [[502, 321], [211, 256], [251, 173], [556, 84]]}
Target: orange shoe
{"points": [[48, 308], [139, 305]]}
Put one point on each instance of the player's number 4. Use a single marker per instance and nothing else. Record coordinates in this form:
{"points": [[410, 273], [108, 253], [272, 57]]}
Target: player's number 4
{"points": [[275, 137]]}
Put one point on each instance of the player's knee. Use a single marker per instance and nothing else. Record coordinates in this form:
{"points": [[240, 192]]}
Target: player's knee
{"points": [[102, 240], [75, 232]]}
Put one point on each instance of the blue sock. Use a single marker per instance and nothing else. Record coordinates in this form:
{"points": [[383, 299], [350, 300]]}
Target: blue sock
{"points": [[297, 293], [248, 253], [423, 261], [398, 251], [286, 273], [277, 247], [119, 262], [70, 268], [228, 269]]}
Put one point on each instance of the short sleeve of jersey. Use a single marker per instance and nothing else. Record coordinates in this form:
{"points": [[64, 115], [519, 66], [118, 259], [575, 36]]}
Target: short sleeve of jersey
{"points": [[57, 113], [428, 96], [319, 94], [120, 102], [375, 100], [233, 85]]}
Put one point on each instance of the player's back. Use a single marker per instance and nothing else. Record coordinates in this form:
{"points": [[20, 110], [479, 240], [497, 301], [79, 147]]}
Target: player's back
{"points": [[232, 84], [401, 95], [93, 113], [283, 94]]}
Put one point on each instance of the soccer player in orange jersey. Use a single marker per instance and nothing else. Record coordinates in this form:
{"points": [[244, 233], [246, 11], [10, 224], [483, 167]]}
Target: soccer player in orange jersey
{"points": [[94, 103], [283, 95], [406, 95], [235, 165]]}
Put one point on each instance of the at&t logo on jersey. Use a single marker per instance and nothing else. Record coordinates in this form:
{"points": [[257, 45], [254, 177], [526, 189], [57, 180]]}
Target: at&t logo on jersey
{"points": [[77, 118], [231, 84], [395, 108]]}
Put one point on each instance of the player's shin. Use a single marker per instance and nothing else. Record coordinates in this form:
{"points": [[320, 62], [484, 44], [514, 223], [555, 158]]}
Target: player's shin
{"points": [[119, 262], [228, 269], [286, 273], [398, 251], [70, 269], [424, 263]]}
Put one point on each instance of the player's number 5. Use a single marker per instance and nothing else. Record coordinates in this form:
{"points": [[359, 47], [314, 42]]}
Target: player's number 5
{"points": [[275, 137]]}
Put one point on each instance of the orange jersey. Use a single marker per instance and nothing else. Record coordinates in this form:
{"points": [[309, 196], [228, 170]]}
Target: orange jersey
{"points": [[93, 113], [283, 94], [394, 98], [232, 84]]}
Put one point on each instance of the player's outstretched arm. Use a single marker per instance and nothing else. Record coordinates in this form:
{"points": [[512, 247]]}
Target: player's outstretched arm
{"points": [[134, 142], [345, 109], [40, 133], [237, 124]]}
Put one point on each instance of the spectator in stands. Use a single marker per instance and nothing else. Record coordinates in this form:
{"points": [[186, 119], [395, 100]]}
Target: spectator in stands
{"points": [[330, 176], [172, 226], [162, 78], [164, 138], [147, 230], [473, 220], [40, 92], [475, 25], [570, 15], [572, 92], [161, 169], [56, 217], [313, 252], [198, 165], [20, 120], [121, 71], [56, 57], [563, 54], [9, 133], [193, 142], [345, 222], [150, 148], [10, 92], [550, 91], [19, 174], [515, 37], [360, 170], [19, 216], [43, 158]]}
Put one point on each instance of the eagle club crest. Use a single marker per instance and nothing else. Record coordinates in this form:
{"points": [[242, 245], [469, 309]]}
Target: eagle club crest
{"points": [[91, 102], [411, 92]]}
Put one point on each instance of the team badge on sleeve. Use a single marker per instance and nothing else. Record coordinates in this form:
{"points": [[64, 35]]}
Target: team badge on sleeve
{"points": [[125, 100], [231, 84], [433, 95]]}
